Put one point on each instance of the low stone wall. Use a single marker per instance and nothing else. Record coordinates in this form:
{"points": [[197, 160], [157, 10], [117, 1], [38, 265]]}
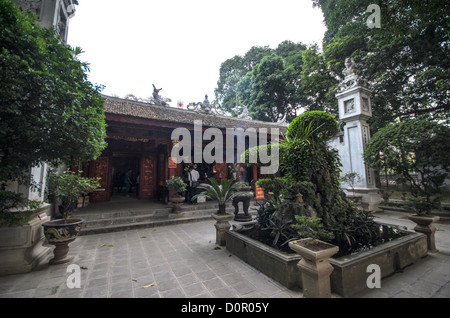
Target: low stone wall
{"points": [[269, 261], [350, 272]]}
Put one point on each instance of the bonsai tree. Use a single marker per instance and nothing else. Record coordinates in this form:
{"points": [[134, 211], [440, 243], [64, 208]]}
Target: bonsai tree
{"points": [[222, 192], [418, 152], [176, 186], [68, 187]]}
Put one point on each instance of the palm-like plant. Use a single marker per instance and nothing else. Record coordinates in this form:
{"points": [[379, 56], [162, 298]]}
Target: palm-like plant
{"points": [[222, 192]]}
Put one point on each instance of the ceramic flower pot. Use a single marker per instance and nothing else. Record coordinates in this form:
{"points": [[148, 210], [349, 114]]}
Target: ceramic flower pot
{"points": [[177, 202], [60, 233]]}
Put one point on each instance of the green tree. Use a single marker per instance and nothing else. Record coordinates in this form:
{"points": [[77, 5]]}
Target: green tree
{"points": [[413, 147], [406, 60], [266, 80], [49, 111], [317, 82], [232, 71]]}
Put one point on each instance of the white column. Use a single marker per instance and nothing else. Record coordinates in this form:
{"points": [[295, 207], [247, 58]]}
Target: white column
{"points": [[354, 110]]}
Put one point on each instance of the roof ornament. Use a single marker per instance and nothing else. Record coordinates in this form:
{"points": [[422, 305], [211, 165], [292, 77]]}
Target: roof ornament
{"points": [[352, 75], [283, 121], [156, 99], [205, 107], [245, 114]]}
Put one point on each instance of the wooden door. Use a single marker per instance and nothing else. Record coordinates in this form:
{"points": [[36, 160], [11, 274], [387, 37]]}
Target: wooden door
{"points": [[147, 187], [101, 168]]}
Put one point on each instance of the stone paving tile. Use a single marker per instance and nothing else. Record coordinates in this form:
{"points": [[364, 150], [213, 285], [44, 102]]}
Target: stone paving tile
{"points": [[183, 261]]}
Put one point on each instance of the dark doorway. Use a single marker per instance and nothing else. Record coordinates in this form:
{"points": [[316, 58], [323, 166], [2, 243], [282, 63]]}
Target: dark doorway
{"points": [[121, 163]]}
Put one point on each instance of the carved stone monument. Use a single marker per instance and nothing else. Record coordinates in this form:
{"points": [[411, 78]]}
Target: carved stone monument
{"points": [[354, 110]]}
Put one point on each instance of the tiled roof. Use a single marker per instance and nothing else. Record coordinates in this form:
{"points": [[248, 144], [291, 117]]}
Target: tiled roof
{"points": [[126, 107]]}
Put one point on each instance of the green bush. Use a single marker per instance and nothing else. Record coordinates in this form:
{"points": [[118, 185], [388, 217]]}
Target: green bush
{"points": [[411, 147]]}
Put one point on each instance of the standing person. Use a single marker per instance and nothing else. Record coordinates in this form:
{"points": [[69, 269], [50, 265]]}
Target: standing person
{"points": [[193, 183], [128, 182]]}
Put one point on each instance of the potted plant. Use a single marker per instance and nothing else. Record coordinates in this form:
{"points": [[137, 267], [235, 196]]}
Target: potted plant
{"points": [[67, 187], [424, 220], [221, 193], [176, 187]]}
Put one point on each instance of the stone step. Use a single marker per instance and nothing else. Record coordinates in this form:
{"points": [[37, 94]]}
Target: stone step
{"points": [[131, 220]]}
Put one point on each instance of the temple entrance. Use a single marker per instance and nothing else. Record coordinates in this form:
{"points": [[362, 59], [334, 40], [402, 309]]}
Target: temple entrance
{"points": [[122, 163]]}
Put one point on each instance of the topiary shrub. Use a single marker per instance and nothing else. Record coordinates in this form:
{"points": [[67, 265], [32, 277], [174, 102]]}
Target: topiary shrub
{"points": [[310, 189], [319, 125]]}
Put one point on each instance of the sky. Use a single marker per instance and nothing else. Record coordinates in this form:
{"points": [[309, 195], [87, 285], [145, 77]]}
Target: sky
{"points": [[179, 45]]}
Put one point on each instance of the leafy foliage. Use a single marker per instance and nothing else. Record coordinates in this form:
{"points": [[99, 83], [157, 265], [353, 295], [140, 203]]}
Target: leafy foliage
{"points": [[405, 60], [308, 197], [14, 210], [176, 184], [69, 186], [264, 79], [409, 147], [313, 125], [311, 227], [49, 111], [222, 192]]}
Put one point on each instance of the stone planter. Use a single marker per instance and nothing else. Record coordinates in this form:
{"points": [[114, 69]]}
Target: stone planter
{"points": [[314, 266], [21, 247], [60, 233], [222, 226], [279, 266], [425, 226], [177, 201], [349, 276]]}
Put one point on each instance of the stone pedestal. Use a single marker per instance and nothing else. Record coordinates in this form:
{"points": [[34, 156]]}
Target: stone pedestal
{"points": [[21, 247], [425, 226], [370, 198], [222, 226], [176, 203], [314, 266]]}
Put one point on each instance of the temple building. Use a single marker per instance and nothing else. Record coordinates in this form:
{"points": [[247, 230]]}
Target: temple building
{"points": [[139, 136]]}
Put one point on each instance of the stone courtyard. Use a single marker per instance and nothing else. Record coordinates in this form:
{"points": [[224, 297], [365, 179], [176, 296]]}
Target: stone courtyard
{"points": [[182, 261]]}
